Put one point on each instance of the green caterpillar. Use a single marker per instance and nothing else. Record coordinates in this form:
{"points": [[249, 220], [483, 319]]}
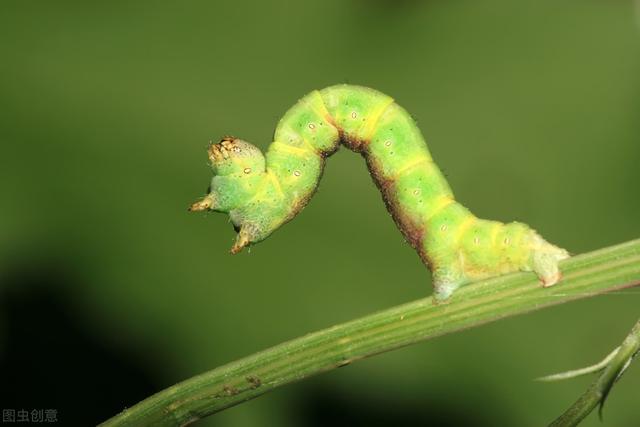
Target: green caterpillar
{"points": [[261, 193]]}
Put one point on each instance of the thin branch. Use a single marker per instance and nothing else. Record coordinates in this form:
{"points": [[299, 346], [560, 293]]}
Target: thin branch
{"points": [[605, 270], [582, 371], [600, 388]]}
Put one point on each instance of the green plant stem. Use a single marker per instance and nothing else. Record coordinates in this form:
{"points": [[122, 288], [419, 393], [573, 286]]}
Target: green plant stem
{"points": [[605, 270], [582, 371], [599, 389]]}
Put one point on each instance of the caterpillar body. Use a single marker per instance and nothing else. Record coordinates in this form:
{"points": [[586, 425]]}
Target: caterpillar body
{"points": [[261, 193]]}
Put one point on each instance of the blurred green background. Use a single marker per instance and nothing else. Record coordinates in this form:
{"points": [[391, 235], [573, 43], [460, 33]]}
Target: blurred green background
{"points": [[110, 290]]}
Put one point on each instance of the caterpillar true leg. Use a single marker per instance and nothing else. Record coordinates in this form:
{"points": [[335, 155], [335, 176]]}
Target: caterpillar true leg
{"points": [[261, 193], [203, 204], [243, 239]]}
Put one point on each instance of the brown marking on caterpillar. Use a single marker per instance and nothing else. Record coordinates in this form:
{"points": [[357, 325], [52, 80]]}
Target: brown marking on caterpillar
{"points": [[214, 153], [220, 151], [254, 381], [412, 231], [229, 138], [386, 184], [354, 144]]}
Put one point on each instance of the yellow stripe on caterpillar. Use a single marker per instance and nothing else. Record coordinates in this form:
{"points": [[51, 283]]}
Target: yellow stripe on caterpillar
{"points": [[309, 146], [293, 150], [441, 203], [276, 183], [262, 189], [372, 122], [318, 106], [464, 227], [417, 161], [494, 233]]}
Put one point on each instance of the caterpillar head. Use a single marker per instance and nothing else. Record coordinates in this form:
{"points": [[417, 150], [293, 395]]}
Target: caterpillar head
{"points": [[238, 188], [233, 156]]}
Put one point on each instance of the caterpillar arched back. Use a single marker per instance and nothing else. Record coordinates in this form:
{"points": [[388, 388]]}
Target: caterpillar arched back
{"points": [[261, 193]]}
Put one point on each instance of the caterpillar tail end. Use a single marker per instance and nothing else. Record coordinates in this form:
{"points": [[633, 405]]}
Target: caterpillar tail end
{"points": [[543, 258]]}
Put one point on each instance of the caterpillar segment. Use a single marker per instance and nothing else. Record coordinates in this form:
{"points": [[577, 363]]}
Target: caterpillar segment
{"points": [[262, 192]]}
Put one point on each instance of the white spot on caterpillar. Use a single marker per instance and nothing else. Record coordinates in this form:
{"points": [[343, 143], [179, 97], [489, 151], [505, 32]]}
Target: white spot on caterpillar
{"points": [[476, 240], [354, 115], [416, 192], [296, 173], [247, 170], [507, 241], [388, 143], [312, 126], [443, 227], [237, 149]]}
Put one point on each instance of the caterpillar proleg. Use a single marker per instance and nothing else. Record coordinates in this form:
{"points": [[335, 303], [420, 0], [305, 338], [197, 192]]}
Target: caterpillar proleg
{"points": [[262, 192]]}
